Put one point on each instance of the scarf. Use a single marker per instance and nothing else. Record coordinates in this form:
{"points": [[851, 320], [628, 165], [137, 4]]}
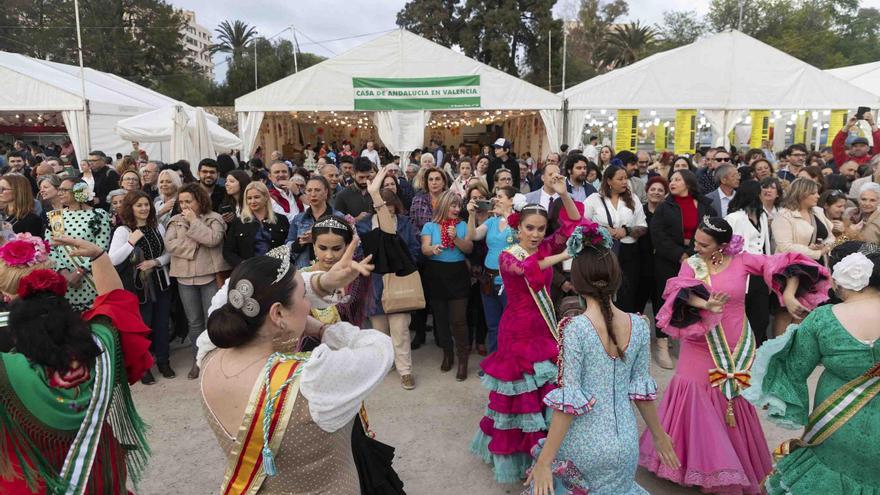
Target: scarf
{"points": [[446, 240]]}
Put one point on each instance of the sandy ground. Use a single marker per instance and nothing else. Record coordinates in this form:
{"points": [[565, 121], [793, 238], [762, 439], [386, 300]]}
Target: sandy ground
{"points": [[430, 426]]}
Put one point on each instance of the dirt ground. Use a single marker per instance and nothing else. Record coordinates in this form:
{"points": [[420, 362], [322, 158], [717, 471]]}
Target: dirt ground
{"points": [[430, 427]]}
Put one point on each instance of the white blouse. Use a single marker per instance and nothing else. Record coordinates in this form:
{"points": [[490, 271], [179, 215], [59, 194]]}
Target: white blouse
{"points": [[120, 248], [755, 242], [620, 216], [348, 365]]}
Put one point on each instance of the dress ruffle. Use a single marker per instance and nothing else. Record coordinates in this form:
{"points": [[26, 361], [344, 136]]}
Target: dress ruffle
{"points": [[121, 307], [544, 372], [567, 479], [801, 472], [570, 401], [528, 422], [643, 388], [507, 468], [677, 318], [757, 393]]}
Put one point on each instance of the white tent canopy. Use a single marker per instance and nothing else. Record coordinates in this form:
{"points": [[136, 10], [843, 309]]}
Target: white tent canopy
{"points": [[399, 54], [865, 76], [32, 85], [723, 75], [193, 134]]}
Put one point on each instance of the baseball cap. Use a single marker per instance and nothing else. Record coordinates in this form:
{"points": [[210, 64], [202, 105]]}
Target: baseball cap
{"points": [[501, 143], [859, 140]]}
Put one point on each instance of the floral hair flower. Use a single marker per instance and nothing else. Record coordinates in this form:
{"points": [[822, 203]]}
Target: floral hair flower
{"points": [[853, 272], [734, 246], [24, 250], [590, 235], [42, 281], [83, 193]]}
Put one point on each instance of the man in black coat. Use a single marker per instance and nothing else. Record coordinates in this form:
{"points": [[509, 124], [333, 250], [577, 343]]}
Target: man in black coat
{"points": [[502, 160]]}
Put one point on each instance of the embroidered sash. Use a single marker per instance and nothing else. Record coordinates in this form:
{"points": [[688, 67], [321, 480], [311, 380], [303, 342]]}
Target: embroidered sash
{"points": [[835, 411], [542, 297], [81, 455], [732, 371], [245, 473]]}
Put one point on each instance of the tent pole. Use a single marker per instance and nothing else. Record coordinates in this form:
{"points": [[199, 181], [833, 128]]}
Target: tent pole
{"points": [[82, 78], [564, 50], [295, 49], [549, 60], [256, 81]]}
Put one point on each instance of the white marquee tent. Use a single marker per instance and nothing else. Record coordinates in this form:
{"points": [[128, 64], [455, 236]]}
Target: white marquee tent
{"points": [[31, 85], [401, 54], [865, 76], [192, 133], [723, 75]]}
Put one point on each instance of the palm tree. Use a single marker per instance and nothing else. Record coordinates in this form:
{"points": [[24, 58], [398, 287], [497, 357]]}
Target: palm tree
{"points": [[233, 38], [626, 44]]}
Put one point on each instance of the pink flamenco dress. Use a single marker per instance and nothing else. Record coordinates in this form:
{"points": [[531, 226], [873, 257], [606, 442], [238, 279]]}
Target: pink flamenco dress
{"points": [[716, 432], [523, 369]]}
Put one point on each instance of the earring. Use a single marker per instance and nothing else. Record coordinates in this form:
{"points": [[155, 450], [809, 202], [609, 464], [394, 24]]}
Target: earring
{"points": [[717, 257]]}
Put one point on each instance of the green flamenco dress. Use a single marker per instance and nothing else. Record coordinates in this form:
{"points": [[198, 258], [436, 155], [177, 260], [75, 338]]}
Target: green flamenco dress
{"points": [[847, 462]]}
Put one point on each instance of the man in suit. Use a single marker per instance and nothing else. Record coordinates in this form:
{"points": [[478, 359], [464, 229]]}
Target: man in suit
{"points": [[728, 180], [545, 195]]}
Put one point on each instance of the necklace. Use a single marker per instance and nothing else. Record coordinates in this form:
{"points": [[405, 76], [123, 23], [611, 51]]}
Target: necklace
{"points": [[241, 371]]}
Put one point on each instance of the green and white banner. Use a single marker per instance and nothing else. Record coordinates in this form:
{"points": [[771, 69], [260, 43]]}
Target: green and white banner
{"points": [[416, 93]]}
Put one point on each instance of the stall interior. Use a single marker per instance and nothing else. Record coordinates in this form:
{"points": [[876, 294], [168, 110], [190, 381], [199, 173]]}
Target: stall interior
{"points": [[292, 132], [42, 127]]}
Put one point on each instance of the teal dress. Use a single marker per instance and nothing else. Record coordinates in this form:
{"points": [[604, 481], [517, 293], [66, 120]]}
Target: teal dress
{"points": [[847, 462], [92, 225], [600, 452]]}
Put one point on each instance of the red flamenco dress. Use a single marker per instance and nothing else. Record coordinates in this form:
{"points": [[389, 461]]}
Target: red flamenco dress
{"points": [[79, 430], [523, 369]]}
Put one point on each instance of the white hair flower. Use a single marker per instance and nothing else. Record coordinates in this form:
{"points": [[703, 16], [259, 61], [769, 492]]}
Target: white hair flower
{"points": [[519, 202], [853, 272]]}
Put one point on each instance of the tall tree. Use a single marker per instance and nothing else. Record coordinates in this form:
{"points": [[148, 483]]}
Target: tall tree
{"points": [[435, 20], [233, 38], [626, 44], [586, 39], [679, 29]]}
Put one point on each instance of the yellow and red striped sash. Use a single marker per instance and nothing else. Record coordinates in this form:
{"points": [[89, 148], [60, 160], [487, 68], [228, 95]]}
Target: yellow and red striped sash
{"points": [[245, 473]]}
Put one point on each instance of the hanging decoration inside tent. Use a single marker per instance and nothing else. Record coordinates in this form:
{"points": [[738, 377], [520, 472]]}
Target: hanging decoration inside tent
{"points": [[627, 130], [800, 127], [760, 127], [685, 132], [661, 133], [835, 124]]}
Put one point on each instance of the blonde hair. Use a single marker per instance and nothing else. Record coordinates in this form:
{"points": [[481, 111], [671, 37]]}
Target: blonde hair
{"points": [[797, 191], [246, 214], [444, 203], [10, 276], [426, 157], [173, 176], [22, 195]]}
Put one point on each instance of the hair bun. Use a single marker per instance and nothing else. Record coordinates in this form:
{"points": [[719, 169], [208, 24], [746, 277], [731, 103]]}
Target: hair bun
{"points": [[227, 327]]}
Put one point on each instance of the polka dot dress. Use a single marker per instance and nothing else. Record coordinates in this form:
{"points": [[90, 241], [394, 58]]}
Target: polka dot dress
{"points": [[91, 225]]}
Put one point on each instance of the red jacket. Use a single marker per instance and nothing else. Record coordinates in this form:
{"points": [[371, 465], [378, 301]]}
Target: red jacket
{"points": [[838, 148]]}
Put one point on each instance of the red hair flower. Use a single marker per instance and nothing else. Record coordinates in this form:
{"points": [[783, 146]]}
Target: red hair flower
{"points": [[513, 220], [42, 281]]}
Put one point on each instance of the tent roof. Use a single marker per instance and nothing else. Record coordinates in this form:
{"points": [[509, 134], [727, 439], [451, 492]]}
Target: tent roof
{"points": [[865, 76], [29, 84], [726, 71], [327, 86]]}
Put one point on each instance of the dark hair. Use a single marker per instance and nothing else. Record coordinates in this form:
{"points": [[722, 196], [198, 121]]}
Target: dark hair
{"points": [[243, 179], [225, 164], [626, 157], [752, 153], [595, 168], [563, 147], [347, 236], [15, 154], [347, 159], [47, 331], [532, 210], [795, 146], [605, 189], [320, 178], [816, 175], [830, 197], [126, 213], [596, 273], [363, 164], [717, 228], [199, 195], [183, 167], [208, 162], [230, 327], [571, 160], [690, 181], [747, 198], [508, 191], [98, 153], [392, 199]]}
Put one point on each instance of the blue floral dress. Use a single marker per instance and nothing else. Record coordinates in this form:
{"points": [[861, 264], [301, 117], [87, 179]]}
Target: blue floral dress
{"points": [[600, 452]]}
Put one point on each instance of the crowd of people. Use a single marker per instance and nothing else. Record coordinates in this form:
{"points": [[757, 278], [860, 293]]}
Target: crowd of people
{"points": [[541, 268]]}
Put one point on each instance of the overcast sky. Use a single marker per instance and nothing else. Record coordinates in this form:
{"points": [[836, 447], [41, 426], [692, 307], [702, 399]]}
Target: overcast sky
{"points": [[360, 20]]}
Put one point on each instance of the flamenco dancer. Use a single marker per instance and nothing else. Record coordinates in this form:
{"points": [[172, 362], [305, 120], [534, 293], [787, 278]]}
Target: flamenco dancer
{"points": [[523, 369], [716, 433], [593, 443], [840, 446], [67, 420]]}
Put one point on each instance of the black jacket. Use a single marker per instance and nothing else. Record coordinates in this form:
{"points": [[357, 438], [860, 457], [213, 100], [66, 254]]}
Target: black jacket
{"points": [[30, 223], [106, 180], [667, 235], [239, 242], [496, 164]]}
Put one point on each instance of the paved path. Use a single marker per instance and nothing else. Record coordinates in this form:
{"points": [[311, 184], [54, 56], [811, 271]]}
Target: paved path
{"points": [[430, 426]]}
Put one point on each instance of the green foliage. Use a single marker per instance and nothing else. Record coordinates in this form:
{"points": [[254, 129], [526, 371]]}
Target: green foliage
{"points": [[233, 38], [435, 20], [679, 29], [625, 44]]}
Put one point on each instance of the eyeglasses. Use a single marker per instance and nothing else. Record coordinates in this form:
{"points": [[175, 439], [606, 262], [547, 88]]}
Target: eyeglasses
{"points": [[65, 189], [723, 159], [4, 189], [798, 155], [644, 162]]}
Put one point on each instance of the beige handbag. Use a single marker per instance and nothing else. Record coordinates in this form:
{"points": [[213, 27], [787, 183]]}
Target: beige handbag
{"points": [[402, 294]]}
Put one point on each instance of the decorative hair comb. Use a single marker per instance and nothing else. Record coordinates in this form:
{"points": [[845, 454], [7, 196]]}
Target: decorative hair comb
{"points": [[707, 222], [281, 253], [332, 223]]}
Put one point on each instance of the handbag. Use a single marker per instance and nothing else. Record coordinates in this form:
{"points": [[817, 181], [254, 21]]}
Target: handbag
{"points": [[402, 294]]}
